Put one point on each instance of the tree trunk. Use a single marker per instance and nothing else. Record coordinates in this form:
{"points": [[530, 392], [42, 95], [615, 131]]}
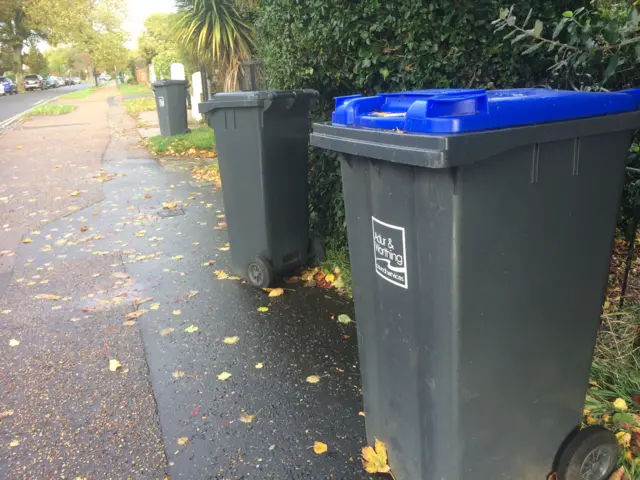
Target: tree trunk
{"points": [[17, 65]]}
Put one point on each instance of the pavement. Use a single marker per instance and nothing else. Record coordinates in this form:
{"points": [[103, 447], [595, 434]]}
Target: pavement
{"points": [[94, 270], [11, 105]]}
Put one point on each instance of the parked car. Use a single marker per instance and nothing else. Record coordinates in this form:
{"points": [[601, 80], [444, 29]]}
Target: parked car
{"points": [[34, 82], [76, 80], [68, 81], [51, 82], [60, 81], [8, 86]]}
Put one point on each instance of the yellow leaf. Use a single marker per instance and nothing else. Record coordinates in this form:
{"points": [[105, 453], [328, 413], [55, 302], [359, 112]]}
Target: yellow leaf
{"points": [[192, 293], [19, 147], [135, 315], [154, 306], [224, 376], [259, 365], [361, 414], [183, 440], [27, 240], [75, 193], [319, 448], [246, 418], [330, 278], [177, 257], [375, 461], [14, 443], [14, 343], [177, 312], [618, 474], [224, 249], [47, 296], [191, 329], [220, 274], [343, 318], [591, 421], [166, 331], [313, 379], [263, 309], [171, 205], [114, 365], [624, 438], [129, 323], [6, 413], [120, 275], [178, 374], [231, 340], [620, 404], [141, 233], [276, 292]]}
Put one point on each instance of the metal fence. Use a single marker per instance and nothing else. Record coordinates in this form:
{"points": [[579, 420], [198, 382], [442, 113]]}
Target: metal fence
{"points": [[252, 76]]}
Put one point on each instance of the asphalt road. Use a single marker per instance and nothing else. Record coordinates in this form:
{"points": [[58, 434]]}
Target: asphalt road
{"points": [[11, 105]]}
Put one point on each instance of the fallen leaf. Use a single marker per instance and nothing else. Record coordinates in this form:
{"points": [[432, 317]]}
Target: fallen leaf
{"points": [[84, 229], [14, 443], [259, 365], [6, 413], [195, 412], [263, 309], [170, 205], [178, 374], [624, 439], [47, 296], [620, 404], [183, 440], [27, 240], [177, 312], [220, 274], [276, 292], [313, 379], [19, 147], [114, 365], [231, 340], [177, 257], [618, 474], [148, 195], [192, 293], [140, 301], [319, 448], [75, 193], [343, 318], [14, 343], [224, 376], [120, 275], [141, 233], [246, 418], [129, 323], [166, 331], [154, 306], [191, 329], [375, 461], [361, 414], [137, 314], [224, 249], [330, 278]]}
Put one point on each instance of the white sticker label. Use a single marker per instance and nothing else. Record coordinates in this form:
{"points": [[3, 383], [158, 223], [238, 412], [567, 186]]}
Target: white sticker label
{"points": [[390, 253], [161, 101]]}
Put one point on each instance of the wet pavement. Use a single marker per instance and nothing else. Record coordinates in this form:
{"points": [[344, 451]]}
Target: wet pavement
{"points": [[165, 411]]}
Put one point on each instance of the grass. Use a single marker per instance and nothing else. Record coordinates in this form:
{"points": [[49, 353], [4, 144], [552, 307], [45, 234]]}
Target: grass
{"points": [[134, 106], [50, 110], [135, 89], [200, 139], [337, 256], [80, 93]]}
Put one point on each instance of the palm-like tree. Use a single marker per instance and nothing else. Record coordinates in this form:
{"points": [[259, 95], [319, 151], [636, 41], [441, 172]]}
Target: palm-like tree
{"points": [[214, 31]]}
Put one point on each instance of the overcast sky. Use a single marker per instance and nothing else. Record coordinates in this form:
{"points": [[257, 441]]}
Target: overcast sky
{"points": [[138, 11]]}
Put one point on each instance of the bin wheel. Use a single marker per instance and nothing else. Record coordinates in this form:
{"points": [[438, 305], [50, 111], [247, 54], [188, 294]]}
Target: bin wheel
{"points": [[592, 454], [260, 273]]}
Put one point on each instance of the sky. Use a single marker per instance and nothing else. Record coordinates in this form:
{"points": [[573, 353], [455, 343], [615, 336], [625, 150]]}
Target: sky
{"points": [[138, 11]]}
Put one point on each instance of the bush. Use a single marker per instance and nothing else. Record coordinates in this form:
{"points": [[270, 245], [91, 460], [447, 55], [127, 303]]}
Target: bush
{"points": [[132, 81], [342, 47]]}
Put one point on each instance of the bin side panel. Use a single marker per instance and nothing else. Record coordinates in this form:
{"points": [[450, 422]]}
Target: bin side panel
{"points": [[285, 165], [536, 229], [177, 103], [239, 145], [162, 106], [404, 310]]}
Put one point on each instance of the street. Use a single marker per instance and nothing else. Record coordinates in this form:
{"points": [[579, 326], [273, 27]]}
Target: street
{"points": [[11, 105]]}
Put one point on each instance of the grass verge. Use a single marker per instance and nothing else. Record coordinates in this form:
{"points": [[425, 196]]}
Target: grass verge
{"points": [[50, 110], [200, 141], [80, 93], [134, 106], [135, 89], [337, 260]]}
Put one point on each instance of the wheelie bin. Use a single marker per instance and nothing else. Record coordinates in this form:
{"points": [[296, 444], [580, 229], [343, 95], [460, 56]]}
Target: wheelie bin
{"points": [[262, 139], [171, 102], [480, 227]]}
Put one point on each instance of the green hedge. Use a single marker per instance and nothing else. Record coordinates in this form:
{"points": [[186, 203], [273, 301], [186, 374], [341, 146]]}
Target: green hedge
{"points": [[342, 47]]}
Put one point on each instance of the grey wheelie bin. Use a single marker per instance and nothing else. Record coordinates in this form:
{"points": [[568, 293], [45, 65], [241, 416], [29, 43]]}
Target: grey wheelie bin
{"points": [[262, 140], [171, 101], [480, 229]]}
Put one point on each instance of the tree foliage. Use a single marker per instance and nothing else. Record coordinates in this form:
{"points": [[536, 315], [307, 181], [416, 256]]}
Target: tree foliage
{"points": [[216, 31], [343, 47], [159, 35]]}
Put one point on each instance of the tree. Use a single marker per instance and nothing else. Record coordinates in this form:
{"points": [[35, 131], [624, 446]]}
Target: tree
{"points": [[216, 31], [15, 31], [159, 35]]}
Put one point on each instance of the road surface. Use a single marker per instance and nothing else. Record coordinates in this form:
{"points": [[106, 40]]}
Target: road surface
{"points": [[11, 105]]}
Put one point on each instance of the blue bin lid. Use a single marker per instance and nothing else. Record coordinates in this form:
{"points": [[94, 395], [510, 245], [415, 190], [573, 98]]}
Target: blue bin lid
{"points": [[449, 111]]}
